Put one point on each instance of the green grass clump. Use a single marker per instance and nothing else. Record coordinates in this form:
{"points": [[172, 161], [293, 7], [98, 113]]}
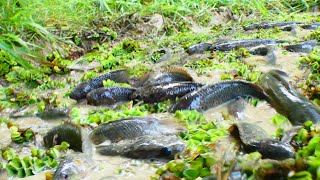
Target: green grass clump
{"points": [[311, 85], [315, 35]]}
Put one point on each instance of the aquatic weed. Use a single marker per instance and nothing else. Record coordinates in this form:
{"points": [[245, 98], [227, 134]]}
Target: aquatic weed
{"points": [[38, 161]]}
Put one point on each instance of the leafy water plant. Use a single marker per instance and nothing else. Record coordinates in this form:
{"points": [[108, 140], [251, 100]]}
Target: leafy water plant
{"points": [[200, 154], [20, 136], [311, 86], [38, 161]]}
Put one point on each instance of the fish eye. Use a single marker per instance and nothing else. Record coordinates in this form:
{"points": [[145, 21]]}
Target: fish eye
{"points": [[166, 151], [64, 175]]}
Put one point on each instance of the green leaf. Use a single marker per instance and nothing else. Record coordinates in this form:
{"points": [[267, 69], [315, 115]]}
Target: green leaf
{"points": [[191, 173], [9, 154], [302, 175], [205, 172], [64, 145], [39, 165]]}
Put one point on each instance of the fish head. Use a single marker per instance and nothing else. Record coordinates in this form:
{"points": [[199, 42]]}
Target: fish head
{"points": [[68, 169]]}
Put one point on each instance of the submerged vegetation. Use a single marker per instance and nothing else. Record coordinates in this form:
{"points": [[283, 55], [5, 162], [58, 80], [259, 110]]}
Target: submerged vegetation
{"points": [[47, 48]]}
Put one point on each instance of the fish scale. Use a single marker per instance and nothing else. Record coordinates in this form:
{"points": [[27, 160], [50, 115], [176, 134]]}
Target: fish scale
{"points": [[164, 91], [213, 95], [143, 147], [84, 88], [287, 101], [128, 128], [109, 95]]}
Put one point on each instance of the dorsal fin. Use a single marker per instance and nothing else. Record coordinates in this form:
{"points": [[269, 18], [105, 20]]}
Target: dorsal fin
{"points": [[179, 70]]}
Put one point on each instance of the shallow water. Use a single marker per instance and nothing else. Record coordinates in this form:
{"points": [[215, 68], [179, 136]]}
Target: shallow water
{"points": [[116, 167]]}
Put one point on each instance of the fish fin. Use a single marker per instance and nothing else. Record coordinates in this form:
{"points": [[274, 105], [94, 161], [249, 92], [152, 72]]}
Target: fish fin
{"points": [[138, 82], [179, 70]]}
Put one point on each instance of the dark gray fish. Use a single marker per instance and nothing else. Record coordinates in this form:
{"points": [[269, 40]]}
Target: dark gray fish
{"points": [[269, 25], [254, 138], [73, 168], [288, 135], [271, 149], [128, 128], [164, 91], [54, 113], [244, 43], [267, 51], [288, 101], [199, 48], [144, 147], [69, 133], [311, 26], [169, 75], [109, 95], [304, 47], [213, 95], [81, 91], [261, 51]]}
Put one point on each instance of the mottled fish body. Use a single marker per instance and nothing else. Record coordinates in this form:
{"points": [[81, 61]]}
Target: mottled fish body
{"points": [[128, 128], [304, 47], [69, 133], [213, 95], [244, 43], [199, 48], [169, 75], [287, 101], [270, 25], [81, 91], [144, 147], [109, 95], [311, 26], [254, 138], [164, 91]]}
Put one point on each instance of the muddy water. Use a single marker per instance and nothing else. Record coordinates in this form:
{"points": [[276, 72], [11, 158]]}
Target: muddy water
{"points": [[116, 167]]}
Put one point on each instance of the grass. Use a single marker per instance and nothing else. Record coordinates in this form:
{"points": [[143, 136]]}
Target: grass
{"points": [[26, 25]]}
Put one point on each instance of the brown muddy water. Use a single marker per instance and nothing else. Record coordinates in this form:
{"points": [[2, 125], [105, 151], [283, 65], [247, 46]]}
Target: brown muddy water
{"points": [[116, 167]]}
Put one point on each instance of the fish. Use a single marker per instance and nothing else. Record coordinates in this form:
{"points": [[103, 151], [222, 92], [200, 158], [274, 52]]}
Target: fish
{"points": [[109, 95], [268, 25], [129, 128], [145, 147], [174, 74], [227, 46], [304, 47], [199, 48], [288, 101], [261, 51], [67, 132], [82, 89], [73, 167], [210, 96], [268, 51], [312, 26], [53, 113], [254, 138], [164, 91]]}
